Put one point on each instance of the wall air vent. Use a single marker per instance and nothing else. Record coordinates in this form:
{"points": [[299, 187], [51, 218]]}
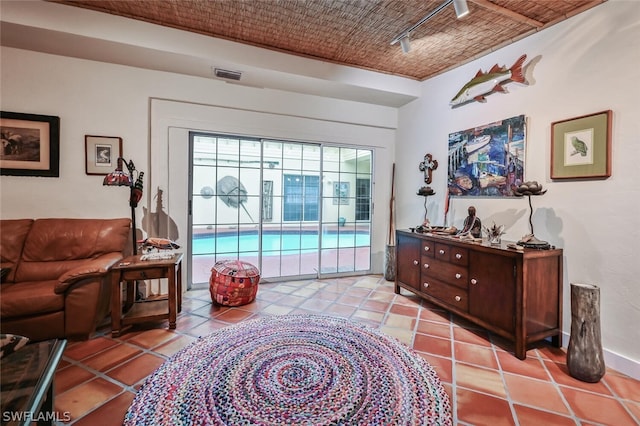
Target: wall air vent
{"points": [[227, 74]]}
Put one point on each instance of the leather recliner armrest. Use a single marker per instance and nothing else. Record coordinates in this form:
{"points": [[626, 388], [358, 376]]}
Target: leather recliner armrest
{"points": [[92, 268]]}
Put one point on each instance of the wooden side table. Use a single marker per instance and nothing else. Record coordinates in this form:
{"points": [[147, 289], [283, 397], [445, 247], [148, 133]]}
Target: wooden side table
{"points": [[131, 269]]}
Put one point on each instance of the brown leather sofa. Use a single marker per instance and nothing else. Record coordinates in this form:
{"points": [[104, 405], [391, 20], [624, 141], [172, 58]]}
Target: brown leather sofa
{"points": [[55, 275]]}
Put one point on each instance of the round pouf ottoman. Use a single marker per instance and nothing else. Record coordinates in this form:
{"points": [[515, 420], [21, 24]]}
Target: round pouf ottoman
{"points": [[233, 282]]}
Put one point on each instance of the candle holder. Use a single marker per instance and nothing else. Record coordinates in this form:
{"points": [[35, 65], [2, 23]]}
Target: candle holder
{"points": [[425, 192], [529, 189]]}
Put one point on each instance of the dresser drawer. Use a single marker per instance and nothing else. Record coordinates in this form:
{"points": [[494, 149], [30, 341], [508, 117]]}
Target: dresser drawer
{"points": [[428, 248], [447, 272], [451, 295], [145, 274], [453, 254]]}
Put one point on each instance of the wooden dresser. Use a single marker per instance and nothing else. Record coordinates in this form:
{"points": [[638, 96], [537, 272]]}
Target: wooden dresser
{"points": [[513, 293]]}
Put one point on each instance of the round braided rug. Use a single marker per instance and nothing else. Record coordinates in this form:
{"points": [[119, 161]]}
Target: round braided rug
{"points": [[296, 370]]}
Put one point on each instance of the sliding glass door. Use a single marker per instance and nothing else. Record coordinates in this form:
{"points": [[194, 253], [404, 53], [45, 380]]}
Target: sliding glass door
{"points": [[292, 209]]}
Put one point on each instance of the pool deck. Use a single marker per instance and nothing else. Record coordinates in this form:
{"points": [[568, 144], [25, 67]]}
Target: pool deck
{"points": [[288, 265], [199, 230], [291, 265]]}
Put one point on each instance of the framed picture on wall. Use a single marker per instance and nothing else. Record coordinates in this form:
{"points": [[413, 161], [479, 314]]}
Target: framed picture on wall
{"points": [[581, 147], [341, 193], [30, 144], [101, 154]]}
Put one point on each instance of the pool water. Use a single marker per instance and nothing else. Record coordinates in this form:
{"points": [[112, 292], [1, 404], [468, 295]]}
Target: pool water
{"points": [[208, 244]]}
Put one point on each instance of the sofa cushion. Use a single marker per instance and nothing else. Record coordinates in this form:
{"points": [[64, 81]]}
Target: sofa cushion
{"points": [[55, 246], [43, 271], [70, 239], [30, 298], [12, 236]]}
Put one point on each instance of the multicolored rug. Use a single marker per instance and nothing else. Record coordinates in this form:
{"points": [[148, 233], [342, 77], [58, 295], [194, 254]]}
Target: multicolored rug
{"points": [[294, 370]]}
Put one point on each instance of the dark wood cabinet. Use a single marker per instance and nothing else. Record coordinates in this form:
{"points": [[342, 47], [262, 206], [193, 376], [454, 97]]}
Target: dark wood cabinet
{"points": [[408, 260], [493, 289], [516, 294]]}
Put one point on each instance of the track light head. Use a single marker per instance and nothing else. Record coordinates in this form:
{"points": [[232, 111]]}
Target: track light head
{"points": [[405, 44], [461, 7]]}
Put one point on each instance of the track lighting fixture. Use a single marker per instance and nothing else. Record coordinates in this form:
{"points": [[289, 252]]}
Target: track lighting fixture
{"points": [[405, 44], [462, 10], [461, 7]]}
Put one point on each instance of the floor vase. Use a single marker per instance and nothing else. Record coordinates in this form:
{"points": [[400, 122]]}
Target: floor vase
{"points": [[390, 263], [585, 359]]}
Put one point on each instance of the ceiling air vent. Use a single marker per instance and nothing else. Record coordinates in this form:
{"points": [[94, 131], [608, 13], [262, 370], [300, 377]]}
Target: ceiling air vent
{"points": [[227, 74]]}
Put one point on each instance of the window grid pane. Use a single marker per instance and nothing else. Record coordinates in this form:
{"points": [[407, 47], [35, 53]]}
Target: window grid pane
{"points": [[269, 209]]}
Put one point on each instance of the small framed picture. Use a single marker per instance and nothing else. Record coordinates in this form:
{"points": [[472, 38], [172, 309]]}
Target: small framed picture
{"points": [[581, 147], [341, 193], [101, 154]]}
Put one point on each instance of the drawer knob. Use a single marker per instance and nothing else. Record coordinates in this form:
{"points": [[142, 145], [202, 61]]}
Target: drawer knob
{"points": [[458, 276], [427, 248], [426, 266], [441, 252], [474, 281], [458, 256], [415, 262], [425, 285], [458, 298]]}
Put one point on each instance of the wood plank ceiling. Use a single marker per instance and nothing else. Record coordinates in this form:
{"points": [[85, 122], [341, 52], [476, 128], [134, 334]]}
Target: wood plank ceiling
{"points": [[356, 33]]}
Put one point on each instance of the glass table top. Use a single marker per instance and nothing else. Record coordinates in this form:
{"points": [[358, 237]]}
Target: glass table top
{"points": [[26, 376]]}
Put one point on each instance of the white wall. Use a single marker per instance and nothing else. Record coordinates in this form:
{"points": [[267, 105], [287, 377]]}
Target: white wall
{"points": [[150, 108], [584, 65]]}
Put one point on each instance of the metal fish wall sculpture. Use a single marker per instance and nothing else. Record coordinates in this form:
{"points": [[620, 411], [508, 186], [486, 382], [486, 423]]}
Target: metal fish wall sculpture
{"points": [[485, 83], [233, 193]]}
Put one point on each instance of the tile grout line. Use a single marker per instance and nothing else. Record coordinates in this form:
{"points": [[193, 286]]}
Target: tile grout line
{"points": [[512, 408], [103, 376], [558, 388], [454, 372], [619, 399], [380, 287]]}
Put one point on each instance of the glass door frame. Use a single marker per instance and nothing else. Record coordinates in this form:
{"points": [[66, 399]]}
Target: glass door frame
{"points": [[261, 223]]}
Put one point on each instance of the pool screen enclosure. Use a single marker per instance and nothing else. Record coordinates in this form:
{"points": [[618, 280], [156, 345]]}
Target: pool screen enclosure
{"points": [[293, 209]]}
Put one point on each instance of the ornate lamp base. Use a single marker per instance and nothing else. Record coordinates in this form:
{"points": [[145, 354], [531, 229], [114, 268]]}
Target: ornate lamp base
{"points": [[530, 241]]}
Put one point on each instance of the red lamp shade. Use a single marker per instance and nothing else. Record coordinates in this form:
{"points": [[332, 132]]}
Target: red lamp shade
{"points": [[118, 177]]}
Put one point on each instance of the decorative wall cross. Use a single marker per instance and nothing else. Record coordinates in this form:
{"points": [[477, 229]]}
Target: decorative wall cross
{"points": [[427, 166]]}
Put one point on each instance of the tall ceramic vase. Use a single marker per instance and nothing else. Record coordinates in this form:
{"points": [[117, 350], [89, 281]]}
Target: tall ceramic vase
{"points": [[585, 359]]}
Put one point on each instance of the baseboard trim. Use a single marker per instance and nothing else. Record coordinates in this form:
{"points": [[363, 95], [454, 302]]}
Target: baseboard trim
{"points": [[622, 364], [614, 360]]}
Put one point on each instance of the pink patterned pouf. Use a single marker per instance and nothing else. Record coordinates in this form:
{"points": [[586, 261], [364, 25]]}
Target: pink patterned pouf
{"points": [[233, 282]]}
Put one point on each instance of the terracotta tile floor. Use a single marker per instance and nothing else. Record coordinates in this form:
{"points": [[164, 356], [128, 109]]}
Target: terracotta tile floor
{"points": [[97, 379]]}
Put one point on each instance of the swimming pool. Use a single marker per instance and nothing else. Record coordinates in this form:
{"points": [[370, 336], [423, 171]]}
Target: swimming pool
{"points": [[273, 243]]}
